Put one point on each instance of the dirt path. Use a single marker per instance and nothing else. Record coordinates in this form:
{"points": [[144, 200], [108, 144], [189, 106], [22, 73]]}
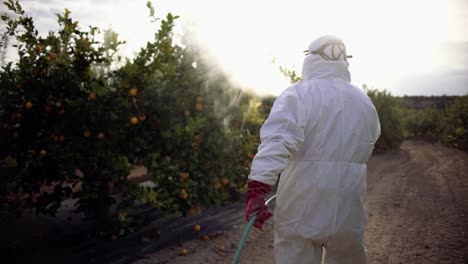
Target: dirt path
{"points": [[417, 203]]}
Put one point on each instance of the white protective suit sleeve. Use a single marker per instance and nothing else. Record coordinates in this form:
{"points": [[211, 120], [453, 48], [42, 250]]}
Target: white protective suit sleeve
{"points": [[281, 135]]}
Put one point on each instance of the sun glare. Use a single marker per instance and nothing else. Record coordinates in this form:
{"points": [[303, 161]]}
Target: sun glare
{"points": [[389, 40]]}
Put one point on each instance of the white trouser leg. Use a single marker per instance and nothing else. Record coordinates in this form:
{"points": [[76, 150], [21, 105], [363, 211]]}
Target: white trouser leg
{"points": [[298, 252], [346, 249]]}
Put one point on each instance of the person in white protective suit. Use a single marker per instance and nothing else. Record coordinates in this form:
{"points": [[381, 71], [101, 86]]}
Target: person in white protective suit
{"points": [[319, 135]]}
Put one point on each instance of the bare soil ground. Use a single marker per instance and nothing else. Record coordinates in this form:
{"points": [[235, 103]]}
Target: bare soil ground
{"points": [[417, 204]]}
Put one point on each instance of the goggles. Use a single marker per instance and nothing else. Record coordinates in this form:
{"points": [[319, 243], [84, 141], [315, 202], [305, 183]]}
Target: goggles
{"points": [[332, 50]]}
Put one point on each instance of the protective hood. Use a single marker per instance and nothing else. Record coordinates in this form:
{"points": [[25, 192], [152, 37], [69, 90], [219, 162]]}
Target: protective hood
{"points": [[317, 66]]}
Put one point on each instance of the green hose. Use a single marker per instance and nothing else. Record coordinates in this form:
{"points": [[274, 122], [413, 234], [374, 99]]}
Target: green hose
{"points": [[246, 232], [243, 239]]}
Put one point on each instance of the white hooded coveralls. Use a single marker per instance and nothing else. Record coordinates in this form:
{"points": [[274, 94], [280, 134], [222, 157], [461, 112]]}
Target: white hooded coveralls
{"points": [[319, 135]]}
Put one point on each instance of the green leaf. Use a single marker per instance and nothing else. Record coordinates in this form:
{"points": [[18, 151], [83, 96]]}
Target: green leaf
{"points": [[152, 195], [150, 7]]}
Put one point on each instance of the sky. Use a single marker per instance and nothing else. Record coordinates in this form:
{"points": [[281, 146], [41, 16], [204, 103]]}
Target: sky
{"points": [[408, 47]]}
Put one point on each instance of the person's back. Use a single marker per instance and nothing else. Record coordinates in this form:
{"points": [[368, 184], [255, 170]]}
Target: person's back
{"points": [[327, 129], [340, 117]]}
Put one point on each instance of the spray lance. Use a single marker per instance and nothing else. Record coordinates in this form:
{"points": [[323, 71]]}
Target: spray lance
{"points": [[240, 246]]}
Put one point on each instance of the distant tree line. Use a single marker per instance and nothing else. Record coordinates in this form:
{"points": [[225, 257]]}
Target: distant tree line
{"points": [[439, 118]]}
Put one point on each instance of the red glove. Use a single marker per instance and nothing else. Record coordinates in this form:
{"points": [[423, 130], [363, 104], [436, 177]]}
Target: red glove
{"points": [[255, 202]]}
